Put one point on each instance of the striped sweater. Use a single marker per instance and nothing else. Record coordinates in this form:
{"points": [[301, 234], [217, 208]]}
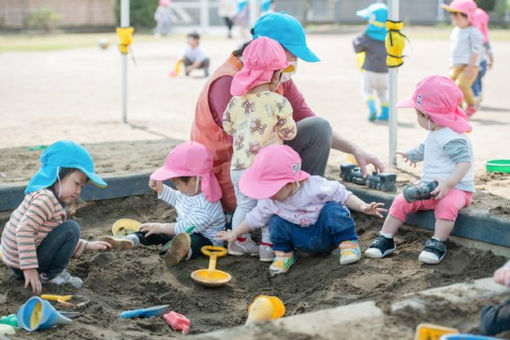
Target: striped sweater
{"points": [[38, 214]]}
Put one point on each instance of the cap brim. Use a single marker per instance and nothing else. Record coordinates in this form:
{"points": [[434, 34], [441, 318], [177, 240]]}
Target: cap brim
{"points": [[98, 181], [408, 102], [162, 174], [364, 13], [450, 9], [303, 52]]}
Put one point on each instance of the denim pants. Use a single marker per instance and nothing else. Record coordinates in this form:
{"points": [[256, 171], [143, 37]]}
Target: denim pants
{"points": [[197, 241], [495, 319], [334, 226], [56, 249], [477, 85]]}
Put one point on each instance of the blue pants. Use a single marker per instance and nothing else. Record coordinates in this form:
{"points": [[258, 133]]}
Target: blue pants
{"points": [[477, 85], [334, 225], [55, 251], [495, 319]]}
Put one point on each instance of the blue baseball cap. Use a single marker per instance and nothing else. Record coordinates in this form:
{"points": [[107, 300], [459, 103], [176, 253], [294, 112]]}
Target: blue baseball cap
{"points": [[288, 31], [63, 154]]}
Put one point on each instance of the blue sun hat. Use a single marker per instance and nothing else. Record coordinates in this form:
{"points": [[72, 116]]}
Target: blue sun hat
{"points": [[288, 31], [63, 154], [376, 15]]}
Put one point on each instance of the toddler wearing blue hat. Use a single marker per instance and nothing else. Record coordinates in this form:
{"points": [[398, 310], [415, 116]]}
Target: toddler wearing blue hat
{"points": [[38, 240], [371, 43]]}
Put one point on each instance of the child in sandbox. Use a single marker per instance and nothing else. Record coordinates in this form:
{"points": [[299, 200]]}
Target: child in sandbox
{"points": [[38, 240], [196, 201], [303, 211], [448, 159]]}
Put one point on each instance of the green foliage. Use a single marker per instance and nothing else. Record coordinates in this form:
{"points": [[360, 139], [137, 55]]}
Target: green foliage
{"points": [[43, 19], [141, 13], [486, 5]]}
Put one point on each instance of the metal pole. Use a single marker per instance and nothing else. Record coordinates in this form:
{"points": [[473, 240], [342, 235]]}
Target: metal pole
{"points": [[124, 22], [204, 15], [254, 11], [393, 76]]}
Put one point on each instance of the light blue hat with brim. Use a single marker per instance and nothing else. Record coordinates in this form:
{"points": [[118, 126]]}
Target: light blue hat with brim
{"points": [[376, 15], [63, 154]]}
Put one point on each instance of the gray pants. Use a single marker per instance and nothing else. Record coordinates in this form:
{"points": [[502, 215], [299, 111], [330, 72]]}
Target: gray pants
{"points": [[312, 143]]}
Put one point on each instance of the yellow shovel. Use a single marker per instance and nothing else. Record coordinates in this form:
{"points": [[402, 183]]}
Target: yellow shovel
{"points": [[62, 299], [212, 277]]}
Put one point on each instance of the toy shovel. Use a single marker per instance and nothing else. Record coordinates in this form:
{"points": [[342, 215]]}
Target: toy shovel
{"points": [[62, 299], [144, 312]]}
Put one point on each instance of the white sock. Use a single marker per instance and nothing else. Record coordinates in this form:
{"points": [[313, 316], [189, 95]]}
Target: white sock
{"points": [[386, 235], [266, 237], [190, 253], [133, 238]]}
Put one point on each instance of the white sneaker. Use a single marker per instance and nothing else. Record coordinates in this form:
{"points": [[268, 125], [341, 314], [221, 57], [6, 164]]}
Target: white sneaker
{"points": [[64, 277], [247, 247], [266, 253]]}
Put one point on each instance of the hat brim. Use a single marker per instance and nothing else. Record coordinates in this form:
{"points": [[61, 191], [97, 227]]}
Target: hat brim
{"points": [[162, 174], [255, 188], [364, 13], [303, 52], [98, 181], [406, 103], [450, 9]]}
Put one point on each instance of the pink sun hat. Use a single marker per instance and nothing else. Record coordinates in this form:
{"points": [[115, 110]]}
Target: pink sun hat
{"points": [[261, 58], [273, 167], [439, 98], [466, 7], [481, 21], [191, 159]]}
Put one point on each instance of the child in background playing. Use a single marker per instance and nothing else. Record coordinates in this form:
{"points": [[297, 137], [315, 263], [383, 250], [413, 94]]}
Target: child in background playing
{"points": [[196, 201], [194, 57], [448, 158], [375, 75], [466, 49], [303, 211], [163, 17], [481, 21], [256, 117], [38, 240]]}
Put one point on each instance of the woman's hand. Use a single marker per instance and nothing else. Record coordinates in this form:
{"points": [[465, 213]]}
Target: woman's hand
{"points": [[32, 280], [406, 159], [157, 186], [374, 209], [97, 245], [363, 159], [443, 188], [227, 235]]}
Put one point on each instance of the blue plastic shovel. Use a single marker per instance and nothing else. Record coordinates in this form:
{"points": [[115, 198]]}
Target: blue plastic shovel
{"points": [[144, 312]]}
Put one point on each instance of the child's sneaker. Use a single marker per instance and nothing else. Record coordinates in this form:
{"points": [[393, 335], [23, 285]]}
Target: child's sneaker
{"points": [[470, 110], [433, 251], [266, 253], [380, 247], [281, 265], [244, 247], [118, 243], [178, 250], [385, 113], [349, 252], [64, 277], [372, 110]]}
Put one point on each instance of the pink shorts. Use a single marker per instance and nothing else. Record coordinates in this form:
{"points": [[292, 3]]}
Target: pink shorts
{"points": [[447, 208]]}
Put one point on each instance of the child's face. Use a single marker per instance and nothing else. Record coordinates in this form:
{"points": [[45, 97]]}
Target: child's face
{"points": [[189, 188], [423, 121], [459, 20], [70, 187], [284, 193], [192, 42]]}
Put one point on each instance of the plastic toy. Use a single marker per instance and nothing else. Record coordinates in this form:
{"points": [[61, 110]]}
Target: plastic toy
{"points": [[419, 191], [265, 308], [125, 226], [499, 165], [144, 312], [37, 314], [383, 181], [427, 331], [11, 320], [466, 337], [62, 299], [178, 322], [212, 277], [177, 69]]}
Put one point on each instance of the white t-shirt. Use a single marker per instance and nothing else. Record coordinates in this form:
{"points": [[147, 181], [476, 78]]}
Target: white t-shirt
{"points": [[465, 42], [194, 54]]}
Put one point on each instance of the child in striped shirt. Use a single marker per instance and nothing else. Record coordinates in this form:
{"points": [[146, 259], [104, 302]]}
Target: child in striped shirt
{"points": [[196, 201], [38, 240]]}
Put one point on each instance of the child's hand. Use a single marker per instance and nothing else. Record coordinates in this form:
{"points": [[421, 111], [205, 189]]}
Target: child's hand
{"points": [[32, 280], [157, 186], [227, 235], [502, 275], [152, 228], [98, 245], [374, 209], [443, 188], [406, 159]]}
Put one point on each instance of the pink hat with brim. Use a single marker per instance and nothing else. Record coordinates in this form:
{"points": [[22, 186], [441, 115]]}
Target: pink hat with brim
{"points": [[273, 167], [261, 58], [466, 7], [191, 159], [481, 21], [440, 99]]}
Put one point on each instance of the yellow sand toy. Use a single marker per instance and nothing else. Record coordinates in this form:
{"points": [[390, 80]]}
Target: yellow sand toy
{"points": [[62, 299], [212, 277], [125, 226], [427, 331], [177, 69], [265, 308], [360, 60]]}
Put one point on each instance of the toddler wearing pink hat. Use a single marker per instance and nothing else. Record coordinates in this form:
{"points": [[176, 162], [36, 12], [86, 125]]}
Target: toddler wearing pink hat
{"points": [[256, 117], [196, 201], [303, 211], [466, 49], [448, 159]]}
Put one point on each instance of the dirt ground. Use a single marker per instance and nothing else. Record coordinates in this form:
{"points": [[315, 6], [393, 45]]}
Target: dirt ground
{"points": [[118, 281]]}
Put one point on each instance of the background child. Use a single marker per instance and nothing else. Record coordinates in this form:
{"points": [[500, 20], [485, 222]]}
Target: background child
{"points": [[448, 159], [481, 21], [227, 9], [466, 49], [375, 75], [38, 240], [256, 117], [194, 57], [303, 211], [495, 319], [196, 201], [163, 17]]}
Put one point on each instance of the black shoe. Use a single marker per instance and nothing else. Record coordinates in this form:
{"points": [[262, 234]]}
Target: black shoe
{"points": [[433, 251], [380, 247]]}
